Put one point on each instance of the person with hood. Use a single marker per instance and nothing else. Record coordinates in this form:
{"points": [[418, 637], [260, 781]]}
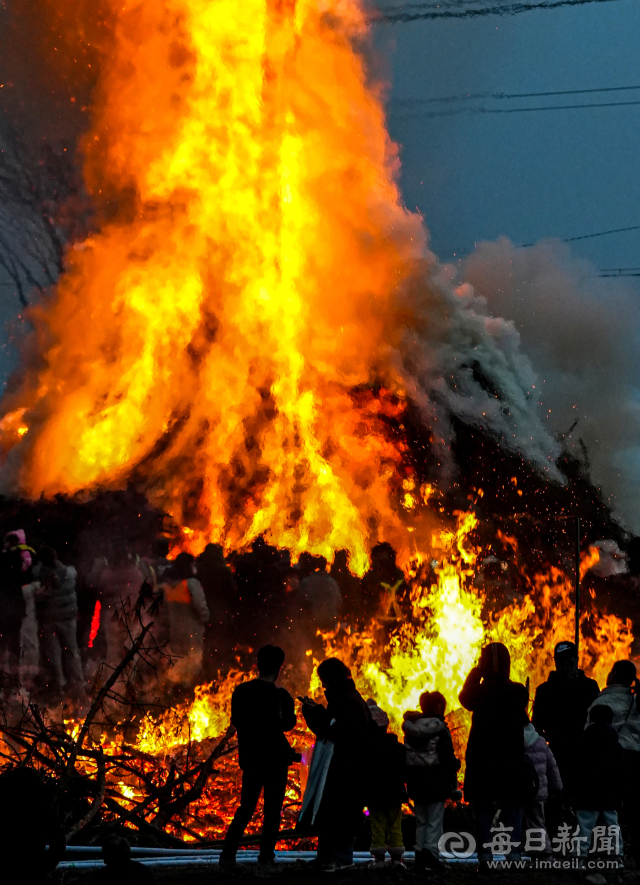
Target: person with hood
{"points": [[539, 754], [386, 792], [57, 615], [601, 785], [620, 695], [560, 709], [431, 768], [346, 724], [495, 776], [261, 713], [187, 613], [15, 573]]}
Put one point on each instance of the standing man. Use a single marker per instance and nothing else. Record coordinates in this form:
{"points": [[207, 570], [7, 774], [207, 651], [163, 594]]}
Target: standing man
{"points": [[560, 710], [261, 712]]}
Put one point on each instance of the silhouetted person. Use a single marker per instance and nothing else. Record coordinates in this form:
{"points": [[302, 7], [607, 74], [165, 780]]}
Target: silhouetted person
{"points": [[541, 758], [187, 614], [600, 784], [431, 772], [261, 712], [495, 750], [346, 722], [319, 599], [118, 868], [57, 614], [560, 710], [386, 791], [221, 593], [383, 586], [260, 581], [15, 572], [118, 582], [350, 585], [620, 695], [28, 825]]}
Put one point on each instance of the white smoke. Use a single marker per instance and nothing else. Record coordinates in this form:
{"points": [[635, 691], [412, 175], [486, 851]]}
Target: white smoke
{"points": [[456, 358], [581, 335]]}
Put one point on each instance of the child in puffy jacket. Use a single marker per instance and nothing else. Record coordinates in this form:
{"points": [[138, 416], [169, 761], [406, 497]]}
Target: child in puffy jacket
{"points": [[549, 786], [431, 774], [386, 791]]}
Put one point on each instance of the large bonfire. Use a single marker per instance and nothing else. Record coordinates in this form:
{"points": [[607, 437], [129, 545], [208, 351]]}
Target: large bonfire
{"points": [[246, 332]]}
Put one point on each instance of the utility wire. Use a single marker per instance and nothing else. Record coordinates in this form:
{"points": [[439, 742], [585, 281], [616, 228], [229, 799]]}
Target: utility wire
{"points": [[446, 99], [474, 112], [429, 4], [601, 233], [511, 9]]}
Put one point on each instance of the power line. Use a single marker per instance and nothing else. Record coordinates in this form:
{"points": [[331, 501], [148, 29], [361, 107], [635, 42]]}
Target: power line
{"points": [[602, 233], [611, 272], [474, 112], [445, 99], [512, 9], [431, 4]]}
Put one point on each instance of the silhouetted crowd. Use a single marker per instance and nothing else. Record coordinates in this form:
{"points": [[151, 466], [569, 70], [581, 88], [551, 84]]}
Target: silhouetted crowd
{"points": [[568, 775], [60, 621], [575, 761]]}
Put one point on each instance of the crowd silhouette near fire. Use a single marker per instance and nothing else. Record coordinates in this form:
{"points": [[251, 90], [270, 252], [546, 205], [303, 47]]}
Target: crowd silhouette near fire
{"points": [[537, 770]]}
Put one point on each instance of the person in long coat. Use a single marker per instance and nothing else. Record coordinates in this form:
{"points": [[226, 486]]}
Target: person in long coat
{"points": [[346, 722], [495, 750]]}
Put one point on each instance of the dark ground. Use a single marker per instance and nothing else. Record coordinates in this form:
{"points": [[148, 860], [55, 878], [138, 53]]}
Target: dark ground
{"points": [[300, 874]]}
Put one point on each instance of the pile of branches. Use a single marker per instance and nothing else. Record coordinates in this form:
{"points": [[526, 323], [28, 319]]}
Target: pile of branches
{"points": [[85, 763]]}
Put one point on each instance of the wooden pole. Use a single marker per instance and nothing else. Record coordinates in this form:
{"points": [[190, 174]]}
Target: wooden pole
{"points": [[577, 585]]}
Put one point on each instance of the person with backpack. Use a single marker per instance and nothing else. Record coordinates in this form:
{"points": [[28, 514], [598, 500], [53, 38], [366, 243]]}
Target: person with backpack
{"points": [[542, 761], [620, 694], [386, 791], [601, 785], [496, 777], [431, 769]]}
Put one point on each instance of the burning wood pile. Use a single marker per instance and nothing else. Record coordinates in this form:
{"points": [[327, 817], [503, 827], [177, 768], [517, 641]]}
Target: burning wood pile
{"points": [[257, 344], [98, 778]]}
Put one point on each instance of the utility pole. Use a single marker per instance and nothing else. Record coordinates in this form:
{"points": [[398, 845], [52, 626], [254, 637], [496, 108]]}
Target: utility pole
{"points": [[577, 585]]}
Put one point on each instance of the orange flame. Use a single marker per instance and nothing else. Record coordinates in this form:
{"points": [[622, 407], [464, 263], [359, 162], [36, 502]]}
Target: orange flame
{"points": [[209, 338]]}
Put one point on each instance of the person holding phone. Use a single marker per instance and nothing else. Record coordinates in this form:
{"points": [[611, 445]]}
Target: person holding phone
{"points": [[346, 722]]}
